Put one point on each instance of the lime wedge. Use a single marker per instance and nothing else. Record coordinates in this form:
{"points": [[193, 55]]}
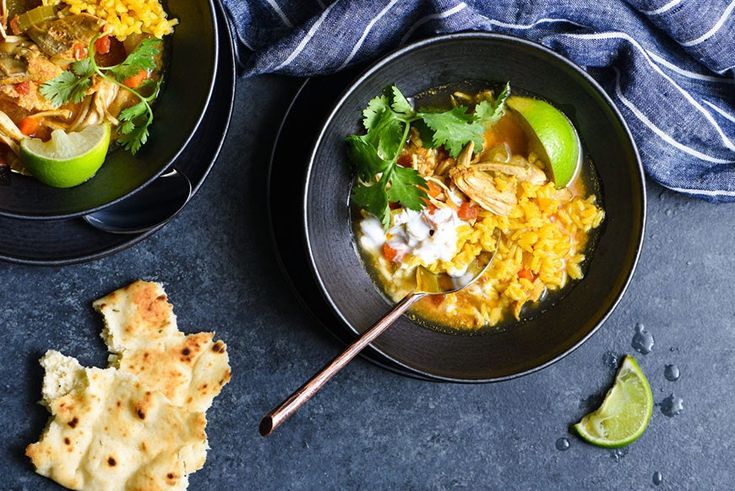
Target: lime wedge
{"points": [[67, 159], [552, 137], [624, 414]]}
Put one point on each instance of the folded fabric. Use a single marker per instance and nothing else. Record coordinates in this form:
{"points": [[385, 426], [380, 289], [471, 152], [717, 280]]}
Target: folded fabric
{"points": [[669, 65]]}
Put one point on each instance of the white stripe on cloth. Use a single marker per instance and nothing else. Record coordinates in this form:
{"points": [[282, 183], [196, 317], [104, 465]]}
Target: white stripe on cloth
{"points": [[440, 15], [721, 111], [687, 73], [307, 38], [664, 8], [544, 20], [659, 59], [621, 35], [369, 26], [280, 12], [658, 131], [714, 29]]}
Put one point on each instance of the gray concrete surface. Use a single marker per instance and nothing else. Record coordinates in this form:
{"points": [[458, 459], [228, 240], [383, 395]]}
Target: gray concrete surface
{"points": [[372, 429]]}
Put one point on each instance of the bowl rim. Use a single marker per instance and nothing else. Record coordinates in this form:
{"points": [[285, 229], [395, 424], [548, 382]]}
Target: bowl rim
{"points": [[482, 36], [64, 216]]}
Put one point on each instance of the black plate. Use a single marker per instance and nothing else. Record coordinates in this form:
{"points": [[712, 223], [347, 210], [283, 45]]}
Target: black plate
{"points": [[192, 53], [70, 241], [528, 345], [288, 163]]}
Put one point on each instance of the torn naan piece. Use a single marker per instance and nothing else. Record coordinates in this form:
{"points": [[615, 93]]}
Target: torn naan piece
{"points": [[108, 431], [141, 332]]}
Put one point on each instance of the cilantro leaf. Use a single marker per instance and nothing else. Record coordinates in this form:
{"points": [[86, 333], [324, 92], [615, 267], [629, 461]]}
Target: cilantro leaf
{"points": [[372, 199], [83, 68], [386, 134], [64, 88], [408, 188], [399, 103], [133, 112], [489, 112], [454, 129], [134, 139], [141, 58], [375, 107], [365, 158]]}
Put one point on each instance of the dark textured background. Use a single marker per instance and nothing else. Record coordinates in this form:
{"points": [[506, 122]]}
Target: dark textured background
{"points": [[371, 428]]}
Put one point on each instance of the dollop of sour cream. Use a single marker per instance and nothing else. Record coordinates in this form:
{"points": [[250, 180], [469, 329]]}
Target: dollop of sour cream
{"points": [[428, 235]]}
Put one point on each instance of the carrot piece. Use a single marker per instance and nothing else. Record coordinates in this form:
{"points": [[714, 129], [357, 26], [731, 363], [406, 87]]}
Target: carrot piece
{"points": [[28, 126], [102, 45], [389, 253], [434, 189], [527, 274], [468, 211], [137, 79], [23, 88]]}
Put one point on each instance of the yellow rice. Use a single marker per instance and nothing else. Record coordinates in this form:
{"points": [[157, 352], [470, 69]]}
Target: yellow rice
{"points": [[542, 234], [126, 17]]}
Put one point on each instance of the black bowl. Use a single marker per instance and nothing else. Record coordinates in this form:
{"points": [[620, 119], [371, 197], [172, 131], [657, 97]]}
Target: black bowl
{"points": [[527, 345], [191, 61]]}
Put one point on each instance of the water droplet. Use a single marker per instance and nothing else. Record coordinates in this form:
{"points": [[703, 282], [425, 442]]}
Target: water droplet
{"points": [[642, 340], [669, 212], [562, 444], [671, 372], [672, 406], [658, 478], [689, 263], [619, 453], [610, 360]]}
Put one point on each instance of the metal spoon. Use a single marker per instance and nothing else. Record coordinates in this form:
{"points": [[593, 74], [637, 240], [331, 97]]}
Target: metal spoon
{"points": [[150, 207], [427, 283]]}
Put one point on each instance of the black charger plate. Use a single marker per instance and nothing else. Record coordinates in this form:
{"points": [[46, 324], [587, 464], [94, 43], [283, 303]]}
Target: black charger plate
{"points": [[288, 163], [62, 242]]}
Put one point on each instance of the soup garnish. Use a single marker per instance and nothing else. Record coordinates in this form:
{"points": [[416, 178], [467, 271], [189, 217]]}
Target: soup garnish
{"points": [[433, 187]]}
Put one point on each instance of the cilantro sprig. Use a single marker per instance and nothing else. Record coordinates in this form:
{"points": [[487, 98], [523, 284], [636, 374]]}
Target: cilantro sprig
{"points": [[387, 120], [73, 84]]}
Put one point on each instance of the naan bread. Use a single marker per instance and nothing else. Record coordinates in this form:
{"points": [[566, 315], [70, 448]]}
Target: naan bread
{"points": [[110, 432], [141, 332], [138, 425]]}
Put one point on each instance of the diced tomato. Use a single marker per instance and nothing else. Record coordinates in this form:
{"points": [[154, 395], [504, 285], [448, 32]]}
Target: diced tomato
{"points": [[80, 52], [468, 211], [394, 205], [137, 79], [527, 274], [405, 160], [389, 253], [23, 88], [28, 126], [438, 299], [102, 45]]}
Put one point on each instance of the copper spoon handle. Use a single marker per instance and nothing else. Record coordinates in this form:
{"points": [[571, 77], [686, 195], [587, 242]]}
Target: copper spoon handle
{"points": [[280, 414]]}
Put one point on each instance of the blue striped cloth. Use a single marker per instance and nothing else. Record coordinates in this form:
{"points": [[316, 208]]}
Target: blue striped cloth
{"points": [[669, 65]]}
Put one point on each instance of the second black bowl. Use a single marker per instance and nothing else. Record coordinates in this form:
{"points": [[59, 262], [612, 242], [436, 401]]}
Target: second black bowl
{"points": [[527, 345], [191, 61]]}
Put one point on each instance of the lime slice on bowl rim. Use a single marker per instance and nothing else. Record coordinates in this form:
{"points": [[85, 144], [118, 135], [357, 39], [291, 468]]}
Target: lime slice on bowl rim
{"points": [[67, 159], [551, 136], [624, 414]]}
